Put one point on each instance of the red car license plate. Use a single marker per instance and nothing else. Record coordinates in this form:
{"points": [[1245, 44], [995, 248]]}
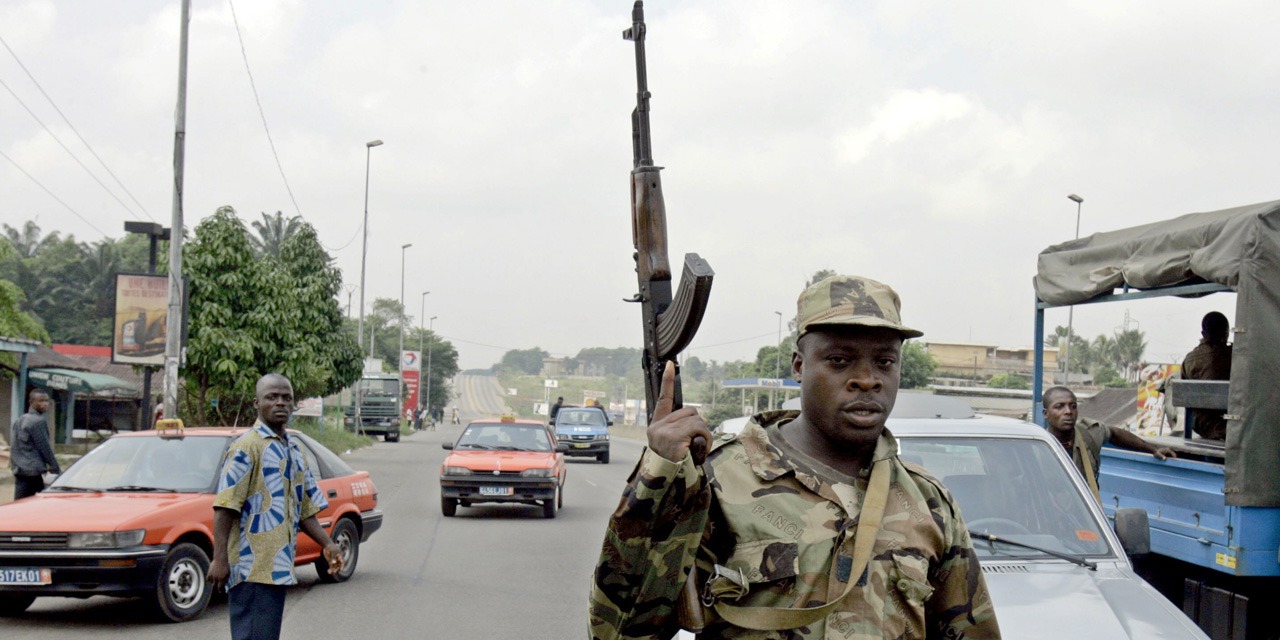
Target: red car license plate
{"points": [[25, 576], [495, 491]]}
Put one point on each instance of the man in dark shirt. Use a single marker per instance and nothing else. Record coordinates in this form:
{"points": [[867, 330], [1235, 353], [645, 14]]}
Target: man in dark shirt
{"points": [[30, 454], [555, 408], [1211, 360]]}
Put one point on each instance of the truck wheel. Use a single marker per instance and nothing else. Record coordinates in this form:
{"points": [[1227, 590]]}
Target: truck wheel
{"points": [[14, 603], [449, 507], [181, 590], [549, 505], [347, 537], [603, 457]]}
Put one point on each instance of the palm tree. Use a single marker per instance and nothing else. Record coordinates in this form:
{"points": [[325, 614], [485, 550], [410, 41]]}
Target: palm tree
{"points": [[272, 232], [27, 241], [1130, 345]]}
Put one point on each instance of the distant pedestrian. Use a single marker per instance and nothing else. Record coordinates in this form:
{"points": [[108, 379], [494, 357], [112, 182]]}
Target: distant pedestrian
{"points": [[266, 494], [555, 408], [30, 454], [455, 416]]}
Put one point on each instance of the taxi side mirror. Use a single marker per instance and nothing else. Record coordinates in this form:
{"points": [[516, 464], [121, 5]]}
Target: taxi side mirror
{"points": [[446, 445], [1134, 529]]}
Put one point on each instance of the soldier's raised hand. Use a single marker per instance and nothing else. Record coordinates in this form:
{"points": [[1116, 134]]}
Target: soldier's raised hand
{"points": [[672, 433]]}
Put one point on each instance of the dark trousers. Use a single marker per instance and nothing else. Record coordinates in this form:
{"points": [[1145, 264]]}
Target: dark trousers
{"points": [[24, 486], [256, 611]]}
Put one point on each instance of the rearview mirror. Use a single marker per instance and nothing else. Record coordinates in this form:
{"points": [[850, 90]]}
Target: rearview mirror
{"points": [[1134, 530], [446, 445], [561, 447]]}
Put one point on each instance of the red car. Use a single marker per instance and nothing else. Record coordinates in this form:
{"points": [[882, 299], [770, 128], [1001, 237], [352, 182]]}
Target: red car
{"points": [[505, 460], [134, 517]]}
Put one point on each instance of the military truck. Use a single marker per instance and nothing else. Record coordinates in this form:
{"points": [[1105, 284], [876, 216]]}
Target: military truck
{"points": [[378, 400], [1214, 511]]}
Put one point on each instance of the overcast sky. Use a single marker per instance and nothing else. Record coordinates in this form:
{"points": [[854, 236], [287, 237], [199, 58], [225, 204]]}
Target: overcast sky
{"points": [[928, 145]]}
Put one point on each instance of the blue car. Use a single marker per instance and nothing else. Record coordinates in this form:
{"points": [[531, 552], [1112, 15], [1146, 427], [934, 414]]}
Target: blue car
{"points": [[585, 430]]}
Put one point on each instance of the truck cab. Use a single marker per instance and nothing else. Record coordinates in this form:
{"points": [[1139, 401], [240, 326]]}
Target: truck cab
{"points": [[585, 430], [376, 399]]}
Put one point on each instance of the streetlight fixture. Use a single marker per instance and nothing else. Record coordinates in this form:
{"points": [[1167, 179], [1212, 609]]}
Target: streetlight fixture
{"points": [[400, 353], [1071, 311], [430, 345], [364, 248]]}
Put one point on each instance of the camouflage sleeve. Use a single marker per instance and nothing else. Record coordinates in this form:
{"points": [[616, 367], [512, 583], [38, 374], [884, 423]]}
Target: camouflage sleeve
{"points": [[960, 606], [649, 548]]}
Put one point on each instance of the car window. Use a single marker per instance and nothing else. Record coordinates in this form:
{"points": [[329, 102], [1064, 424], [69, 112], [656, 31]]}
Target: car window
{"points": [[1015, 488], [181, 464], [328, 464], [505, 437], [587, 417]]}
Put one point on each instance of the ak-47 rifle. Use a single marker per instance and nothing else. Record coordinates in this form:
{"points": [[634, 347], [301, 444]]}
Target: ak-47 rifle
{"points": [[669, 324]]}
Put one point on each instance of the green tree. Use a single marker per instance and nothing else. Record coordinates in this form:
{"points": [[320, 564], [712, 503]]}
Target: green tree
{"points": [[14, 322], [1130, 346], [273, 232], [249, 317], [918, 366], [528, 361]]}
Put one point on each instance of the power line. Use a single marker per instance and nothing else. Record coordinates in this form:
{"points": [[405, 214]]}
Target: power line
{"points": [[721, 344], [245, 55], [68, 150], [73, 130], [51, 194]]}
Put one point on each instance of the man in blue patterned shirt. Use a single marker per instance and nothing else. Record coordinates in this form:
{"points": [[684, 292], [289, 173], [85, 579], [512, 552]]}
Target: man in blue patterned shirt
{"points": [[265, 494]]}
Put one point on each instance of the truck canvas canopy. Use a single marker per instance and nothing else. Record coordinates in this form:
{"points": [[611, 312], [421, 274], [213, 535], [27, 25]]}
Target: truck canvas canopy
{"points": [[1236, 248]]}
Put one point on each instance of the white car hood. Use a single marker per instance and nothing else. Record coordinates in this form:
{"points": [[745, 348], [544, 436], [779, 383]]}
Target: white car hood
{"points": [[1058, 600]]}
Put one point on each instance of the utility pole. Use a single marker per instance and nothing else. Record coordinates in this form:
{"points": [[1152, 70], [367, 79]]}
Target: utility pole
{"points": [[1071, 311], [173, 324], [403, 313]]}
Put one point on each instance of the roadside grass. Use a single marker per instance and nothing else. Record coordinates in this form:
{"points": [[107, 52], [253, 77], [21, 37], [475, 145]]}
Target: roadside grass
{"points": [[336, 438]]}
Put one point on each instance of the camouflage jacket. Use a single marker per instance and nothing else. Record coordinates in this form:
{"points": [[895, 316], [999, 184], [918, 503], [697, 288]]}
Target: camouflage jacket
{"points": [[788, 528]]}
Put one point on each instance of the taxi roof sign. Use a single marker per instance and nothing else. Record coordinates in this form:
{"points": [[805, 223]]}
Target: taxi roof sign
{"points": [[508, 417], [169, 427]]}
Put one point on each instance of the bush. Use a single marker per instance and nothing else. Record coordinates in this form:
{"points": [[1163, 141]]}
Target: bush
{"points": [[1008, 381]]}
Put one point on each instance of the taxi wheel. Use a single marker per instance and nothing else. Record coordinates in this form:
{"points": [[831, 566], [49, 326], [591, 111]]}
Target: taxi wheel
{"points": [[347, 537], [549, 505], [449, 507], [182, 592], [14, 604], [560, 498]]}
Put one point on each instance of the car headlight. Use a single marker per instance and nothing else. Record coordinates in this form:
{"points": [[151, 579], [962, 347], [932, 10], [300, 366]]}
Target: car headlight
{"points": [[604, 437], [457, 471], [536, 473], [105, 539]]}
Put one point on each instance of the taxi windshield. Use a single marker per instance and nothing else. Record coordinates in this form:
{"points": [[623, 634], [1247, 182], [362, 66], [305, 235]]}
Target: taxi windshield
{"points": [[1012, 488], [504, 437], [588, 417], [147, 463]]}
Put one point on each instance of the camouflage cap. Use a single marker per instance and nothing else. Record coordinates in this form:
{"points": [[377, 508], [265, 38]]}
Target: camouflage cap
{"points": [[851, 300]]}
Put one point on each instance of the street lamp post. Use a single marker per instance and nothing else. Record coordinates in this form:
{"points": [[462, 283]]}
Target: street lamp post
{"points": [[403, 247], [422, 317], [364, 248], [430, 346], [1071, 311], [778, 362]]}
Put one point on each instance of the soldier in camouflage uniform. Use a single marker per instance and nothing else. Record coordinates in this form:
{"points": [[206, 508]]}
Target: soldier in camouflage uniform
{"points": [[768, 522]]}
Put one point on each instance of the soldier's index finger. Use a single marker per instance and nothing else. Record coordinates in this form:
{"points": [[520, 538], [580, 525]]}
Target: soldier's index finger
{"points": [[666, 396]]}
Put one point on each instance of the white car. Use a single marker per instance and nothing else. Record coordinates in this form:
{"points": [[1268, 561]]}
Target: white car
{"points": [[1053, 563]]}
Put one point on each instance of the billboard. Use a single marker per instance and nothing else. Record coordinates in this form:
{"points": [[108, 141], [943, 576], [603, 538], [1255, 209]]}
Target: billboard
{"points": [[142, 310], [410, 372]]}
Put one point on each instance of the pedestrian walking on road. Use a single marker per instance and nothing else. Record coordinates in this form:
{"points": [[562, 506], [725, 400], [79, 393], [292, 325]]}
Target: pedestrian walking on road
{"points": [[254, 547], [30, 454], [455, 416]]}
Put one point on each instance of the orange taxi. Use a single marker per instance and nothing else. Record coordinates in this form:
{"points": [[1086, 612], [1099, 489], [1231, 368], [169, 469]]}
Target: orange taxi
{"points": [[505, 460], [134, 517]]}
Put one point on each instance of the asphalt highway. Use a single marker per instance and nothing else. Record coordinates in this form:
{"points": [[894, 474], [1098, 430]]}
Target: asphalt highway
{"points": [[490, 572]]}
